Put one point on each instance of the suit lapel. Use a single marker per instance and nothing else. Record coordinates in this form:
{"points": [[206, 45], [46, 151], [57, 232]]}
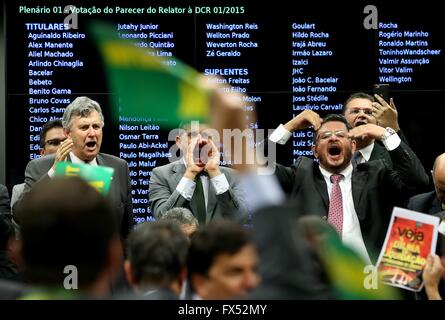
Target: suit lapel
{"points": [[379, 152], [358, 181], [100, 160], [320, 185], [436, 206], [178, 170]]}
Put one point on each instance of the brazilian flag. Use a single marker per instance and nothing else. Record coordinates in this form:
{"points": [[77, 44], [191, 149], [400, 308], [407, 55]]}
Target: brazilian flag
{"points": [[149, 86]]}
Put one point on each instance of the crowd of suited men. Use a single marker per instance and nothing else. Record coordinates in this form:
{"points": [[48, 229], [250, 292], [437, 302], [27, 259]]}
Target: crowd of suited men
{"points": [[218, 233]]}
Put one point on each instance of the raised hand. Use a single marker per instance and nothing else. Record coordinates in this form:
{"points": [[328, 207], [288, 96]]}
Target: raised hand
{"points": [[63, 151], [193, 168], [212, 165], [385, 114], [304, 120]]}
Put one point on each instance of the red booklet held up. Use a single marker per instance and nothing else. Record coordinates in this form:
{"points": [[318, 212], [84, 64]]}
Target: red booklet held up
{"points": [[410, 238]]}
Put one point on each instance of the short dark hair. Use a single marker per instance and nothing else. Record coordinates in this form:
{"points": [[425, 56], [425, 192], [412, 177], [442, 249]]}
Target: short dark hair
{"points": [[64, 221], [157, 252], [357, 95], [180, 215], [56, 123], [218, 237], [332, 117]]}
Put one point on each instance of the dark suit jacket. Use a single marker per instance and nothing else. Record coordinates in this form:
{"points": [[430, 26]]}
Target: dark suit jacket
{"points": [[429, 203], [164, 196], [4, 200], [119, 194], [376, 188]]}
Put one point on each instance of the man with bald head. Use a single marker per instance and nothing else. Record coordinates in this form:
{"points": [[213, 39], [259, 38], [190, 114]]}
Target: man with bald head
{"points": [[432, 202], [356, 200]]}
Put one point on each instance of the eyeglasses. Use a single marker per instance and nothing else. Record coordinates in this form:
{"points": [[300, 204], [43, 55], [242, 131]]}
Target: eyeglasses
{"points": [[327, 134], [368, 112], [54, 142]]}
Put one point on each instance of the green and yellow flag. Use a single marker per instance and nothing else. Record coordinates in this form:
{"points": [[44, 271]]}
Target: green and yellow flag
{"points": [[147, 85]]}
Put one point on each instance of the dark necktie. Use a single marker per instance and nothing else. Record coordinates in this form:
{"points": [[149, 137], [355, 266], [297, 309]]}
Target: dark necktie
{"points": [[335, 214], [198, 198]]}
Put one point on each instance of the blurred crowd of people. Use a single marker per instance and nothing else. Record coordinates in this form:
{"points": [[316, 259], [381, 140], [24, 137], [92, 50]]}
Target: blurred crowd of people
{"points": [[308, 231]]}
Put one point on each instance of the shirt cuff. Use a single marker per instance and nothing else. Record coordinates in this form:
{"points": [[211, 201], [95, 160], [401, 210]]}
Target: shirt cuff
{"points": [[220, 183], [280, 135], [51, 173], [392, 142], [186, 187]]}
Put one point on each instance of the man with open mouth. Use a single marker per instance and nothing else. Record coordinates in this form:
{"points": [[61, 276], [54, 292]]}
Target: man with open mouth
{"points": [[82, 126], [356, 200]]}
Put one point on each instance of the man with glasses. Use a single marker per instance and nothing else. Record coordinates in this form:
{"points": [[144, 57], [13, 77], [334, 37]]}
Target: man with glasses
{"points": [[361, 108], [51, 137], [357, 201]]}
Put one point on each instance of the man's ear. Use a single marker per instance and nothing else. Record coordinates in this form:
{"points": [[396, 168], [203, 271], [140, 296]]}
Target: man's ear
{"points": [[178, 140], [353, 146], [199, 285], [66, 132]]}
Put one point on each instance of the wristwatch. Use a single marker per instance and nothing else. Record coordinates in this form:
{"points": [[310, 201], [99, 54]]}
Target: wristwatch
{"points": [[389, 132]]}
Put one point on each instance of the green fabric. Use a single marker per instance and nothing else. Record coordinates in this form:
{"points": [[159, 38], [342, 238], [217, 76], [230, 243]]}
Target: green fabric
{"points": [[49, 293], [99, 177], [346, 271]]}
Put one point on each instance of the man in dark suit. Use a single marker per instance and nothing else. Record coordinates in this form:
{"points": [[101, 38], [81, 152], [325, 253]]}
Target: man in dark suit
{"points": [[82, 124], [361, 108], [432, 202], [357, 201], [176, 184]]}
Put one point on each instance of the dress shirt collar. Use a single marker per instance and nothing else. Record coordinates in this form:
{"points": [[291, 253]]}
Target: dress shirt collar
{"points": [[366, 151]]}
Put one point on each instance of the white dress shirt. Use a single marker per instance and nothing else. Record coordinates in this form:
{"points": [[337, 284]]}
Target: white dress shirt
{"points": [[351, 234]]}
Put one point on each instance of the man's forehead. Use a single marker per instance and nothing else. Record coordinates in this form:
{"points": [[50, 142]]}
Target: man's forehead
{"points": [[92, 116], [332, 125], [359, 103]]}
